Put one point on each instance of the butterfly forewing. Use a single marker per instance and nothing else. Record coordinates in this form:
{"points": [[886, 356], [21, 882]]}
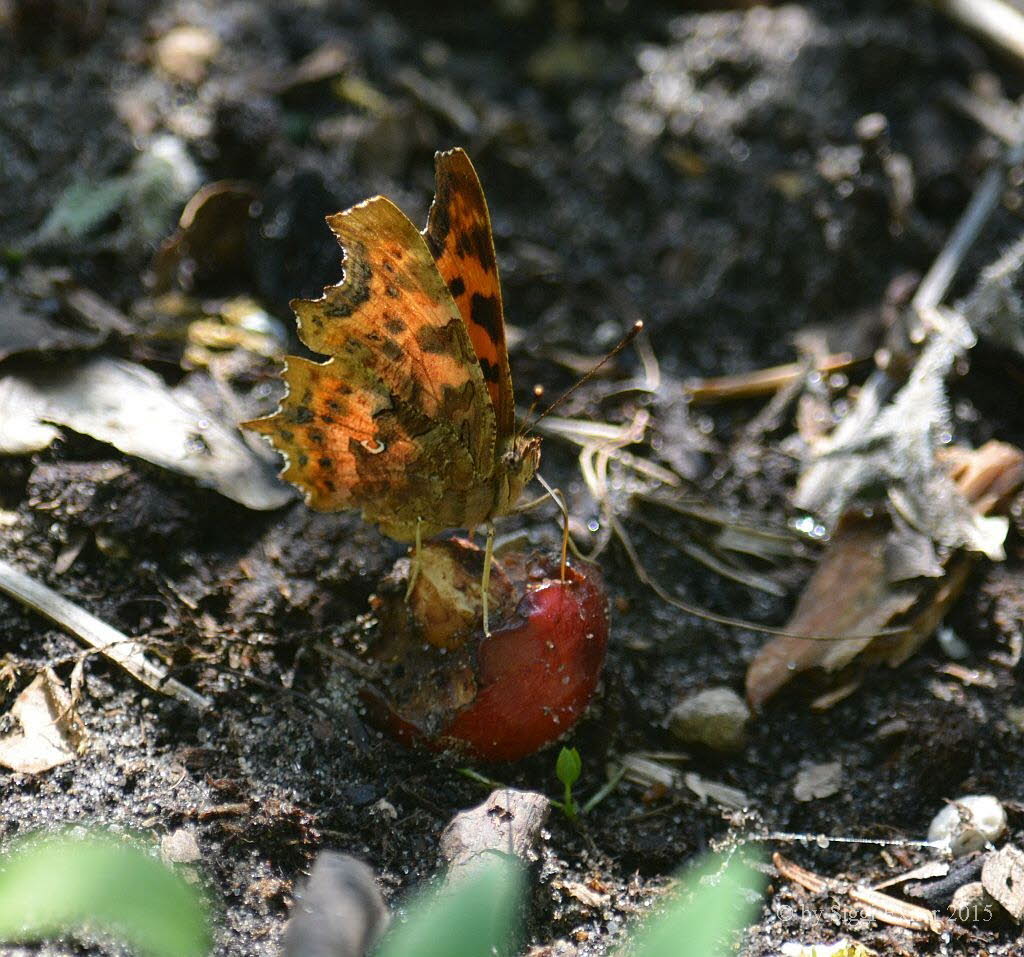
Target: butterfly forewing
{"points": [[459, 236]]}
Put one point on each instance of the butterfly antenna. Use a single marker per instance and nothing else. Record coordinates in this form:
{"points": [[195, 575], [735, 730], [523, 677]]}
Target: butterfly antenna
{"points": [[622, 343], [538, 394]]}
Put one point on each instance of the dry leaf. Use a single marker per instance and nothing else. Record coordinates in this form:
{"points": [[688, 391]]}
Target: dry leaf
{"points": [[49, 731], [861, 585], [132, 408]]}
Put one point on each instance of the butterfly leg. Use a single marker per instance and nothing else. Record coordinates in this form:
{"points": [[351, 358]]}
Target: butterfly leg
{"points": [[559, 499], [414, 563], [485, 580]]}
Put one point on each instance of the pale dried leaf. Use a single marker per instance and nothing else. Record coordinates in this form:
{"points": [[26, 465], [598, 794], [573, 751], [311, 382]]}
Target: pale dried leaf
{"points": [[131, 408], [49, 731]]}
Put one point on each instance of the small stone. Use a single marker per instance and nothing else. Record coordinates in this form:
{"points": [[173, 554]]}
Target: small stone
{"points": [[180, 847], [818, 781], [969, 823], [715, 717], [1003, 877], [385, 810], [338, 912], [185, 52], [972, 904]]}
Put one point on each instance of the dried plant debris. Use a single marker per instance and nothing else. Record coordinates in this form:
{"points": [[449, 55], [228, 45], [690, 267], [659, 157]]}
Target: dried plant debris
{"points": [[145, 198], [130, 407], [211, 238], [47, 730], [894, 448], [25, 327], [865, 583], [995, 308], [127, 652], [872, 903]]}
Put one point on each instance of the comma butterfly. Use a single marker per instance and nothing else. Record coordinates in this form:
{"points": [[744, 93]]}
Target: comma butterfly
{"points": [[412, 417]]}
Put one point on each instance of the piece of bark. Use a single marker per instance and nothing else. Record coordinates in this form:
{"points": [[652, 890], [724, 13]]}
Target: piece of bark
{"points": [[509, 822], [854, 594], [1003, 877]]}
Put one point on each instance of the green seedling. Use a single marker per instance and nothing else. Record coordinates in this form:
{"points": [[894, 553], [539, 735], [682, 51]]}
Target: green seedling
{"points": [[568, 767]]}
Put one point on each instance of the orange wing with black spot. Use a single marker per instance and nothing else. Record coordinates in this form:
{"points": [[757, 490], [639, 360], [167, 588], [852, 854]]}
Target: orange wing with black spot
{"points": [[459, 236], [397, 421]]}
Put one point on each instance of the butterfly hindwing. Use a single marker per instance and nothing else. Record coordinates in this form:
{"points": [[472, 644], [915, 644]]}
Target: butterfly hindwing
{"points": [[398, 418], [459, 236]]}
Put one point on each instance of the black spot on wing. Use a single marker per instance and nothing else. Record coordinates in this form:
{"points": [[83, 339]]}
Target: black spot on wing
{"points": [[477, 243], [490, 370], [457, 287], [485, 311]]}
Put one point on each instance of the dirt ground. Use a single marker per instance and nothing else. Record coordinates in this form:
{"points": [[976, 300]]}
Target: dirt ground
{"points": [[700, 170]]}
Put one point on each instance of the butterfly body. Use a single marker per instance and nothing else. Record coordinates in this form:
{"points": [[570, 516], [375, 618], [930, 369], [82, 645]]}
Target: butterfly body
{"points": [[412, 418]]}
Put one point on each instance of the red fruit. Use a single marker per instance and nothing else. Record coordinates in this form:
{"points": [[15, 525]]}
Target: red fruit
{"points": [[503, 696]]}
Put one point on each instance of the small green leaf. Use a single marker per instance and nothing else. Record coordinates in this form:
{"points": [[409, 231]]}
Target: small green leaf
{"points": [[52, 885], [569, 766], [713, 902], [474, 918]]}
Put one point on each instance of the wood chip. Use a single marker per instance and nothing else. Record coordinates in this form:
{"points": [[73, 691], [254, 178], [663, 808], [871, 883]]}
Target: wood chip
{"points": [[508, 821]]}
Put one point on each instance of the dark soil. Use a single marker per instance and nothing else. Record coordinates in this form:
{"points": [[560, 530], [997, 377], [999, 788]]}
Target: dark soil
{"points": [[701, 171]]}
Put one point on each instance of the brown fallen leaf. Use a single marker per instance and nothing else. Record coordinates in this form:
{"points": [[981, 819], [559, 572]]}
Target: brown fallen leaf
{"points": [[864, 585], [48, 730]]}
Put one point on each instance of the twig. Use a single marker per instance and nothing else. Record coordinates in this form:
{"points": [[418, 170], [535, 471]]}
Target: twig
{"points": [[761, 382], [936, 283], [119, 648], [601, 793], [997, 21], [872, 903], [645, 578]]}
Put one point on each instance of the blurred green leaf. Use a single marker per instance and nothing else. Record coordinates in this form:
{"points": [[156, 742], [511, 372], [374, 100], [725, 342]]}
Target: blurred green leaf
{"points": [[473, 918], [52, 885], [82, 207], [713, 901]]}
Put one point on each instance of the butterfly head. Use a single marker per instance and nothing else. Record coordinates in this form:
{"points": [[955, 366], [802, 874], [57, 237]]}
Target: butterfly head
{"points": [[519, 463]]}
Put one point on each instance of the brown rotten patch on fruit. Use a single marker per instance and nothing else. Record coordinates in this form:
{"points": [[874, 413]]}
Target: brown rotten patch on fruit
{"points": [[445, 685]]}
